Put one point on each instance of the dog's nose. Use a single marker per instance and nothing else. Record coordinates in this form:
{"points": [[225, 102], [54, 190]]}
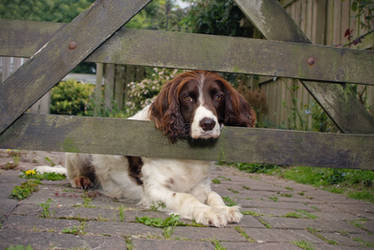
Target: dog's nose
{"points": [[207, 124]]}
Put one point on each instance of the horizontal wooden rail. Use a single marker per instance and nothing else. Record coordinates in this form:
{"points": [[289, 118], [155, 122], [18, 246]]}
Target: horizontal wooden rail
{"points": [[197, 51], [140, 138]]}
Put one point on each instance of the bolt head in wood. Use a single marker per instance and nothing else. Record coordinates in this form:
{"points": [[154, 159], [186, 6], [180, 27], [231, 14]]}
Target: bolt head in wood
{"points": [[311, 60], [72, 45]]}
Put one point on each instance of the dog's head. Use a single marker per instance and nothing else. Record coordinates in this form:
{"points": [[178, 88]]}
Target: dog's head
{"points": [[197, 104]]}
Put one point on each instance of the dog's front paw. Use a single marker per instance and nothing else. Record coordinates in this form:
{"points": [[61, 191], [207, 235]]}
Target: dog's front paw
{"points": [[233, 214], [211, 216]]}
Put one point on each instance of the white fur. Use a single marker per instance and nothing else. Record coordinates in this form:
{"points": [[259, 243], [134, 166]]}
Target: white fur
{"points": [[48, 169], [182, 185], [196, 130]]}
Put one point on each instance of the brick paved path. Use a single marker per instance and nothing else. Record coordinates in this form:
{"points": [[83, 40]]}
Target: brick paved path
{"points": [[279, 214]]}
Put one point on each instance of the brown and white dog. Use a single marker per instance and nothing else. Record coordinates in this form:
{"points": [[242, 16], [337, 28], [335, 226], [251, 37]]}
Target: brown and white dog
{"points": [[193, 105]]}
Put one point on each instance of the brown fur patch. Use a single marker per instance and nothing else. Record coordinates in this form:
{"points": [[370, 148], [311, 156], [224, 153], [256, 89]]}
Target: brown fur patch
{"points": [[135, 168]]}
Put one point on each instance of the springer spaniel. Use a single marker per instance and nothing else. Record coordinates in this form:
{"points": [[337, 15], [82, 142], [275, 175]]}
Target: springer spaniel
{"points": [[193, 105]]}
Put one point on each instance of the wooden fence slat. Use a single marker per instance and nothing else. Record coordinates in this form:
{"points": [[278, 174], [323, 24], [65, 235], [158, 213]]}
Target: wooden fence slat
{"points": [[140, 138], [274, 22], [109, 74], [220, 53], [68, 46]]}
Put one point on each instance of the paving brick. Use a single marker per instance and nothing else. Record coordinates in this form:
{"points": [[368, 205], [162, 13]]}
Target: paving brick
{"points": [[272, 204], [291, 223], [343, 240], [203, 233], [122, 229], [37, 224], [171, 244], [248, 221], [50, 240], [280, 235], [262, 246]]}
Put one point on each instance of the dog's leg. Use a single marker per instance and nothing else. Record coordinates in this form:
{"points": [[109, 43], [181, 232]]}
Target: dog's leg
{"points": [[211, 198], [79, 170], [233, 213], [186, 205]]}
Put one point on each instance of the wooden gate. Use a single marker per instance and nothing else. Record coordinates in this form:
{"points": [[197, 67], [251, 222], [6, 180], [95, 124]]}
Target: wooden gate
{"points": [[96, 36]]}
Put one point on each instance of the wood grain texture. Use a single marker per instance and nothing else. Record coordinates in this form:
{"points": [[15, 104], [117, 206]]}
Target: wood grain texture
{"points": [[140, 138], [341, 106], [217, 53], [56, 58]]}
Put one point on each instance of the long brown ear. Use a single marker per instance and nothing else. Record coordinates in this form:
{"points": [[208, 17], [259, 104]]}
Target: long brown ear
{"points": [[237, 110], [165, 112]]}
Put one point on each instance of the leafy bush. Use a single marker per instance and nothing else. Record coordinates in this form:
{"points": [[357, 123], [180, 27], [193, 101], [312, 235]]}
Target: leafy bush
{"points": [[71, 98], [140, 94]]}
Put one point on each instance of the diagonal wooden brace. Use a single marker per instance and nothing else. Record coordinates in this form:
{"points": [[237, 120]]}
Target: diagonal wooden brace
{"points": [[67, 48], [343, 108]]}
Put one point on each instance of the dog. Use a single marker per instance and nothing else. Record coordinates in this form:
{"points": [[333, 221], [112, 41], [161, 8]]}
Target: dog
{"points": [[194, 105]]}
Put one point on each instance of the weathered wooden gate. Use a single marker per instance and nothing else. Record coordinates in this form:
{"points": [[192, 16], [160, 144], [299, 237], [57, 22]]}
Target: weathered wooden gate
{"points": [[96, 35]]}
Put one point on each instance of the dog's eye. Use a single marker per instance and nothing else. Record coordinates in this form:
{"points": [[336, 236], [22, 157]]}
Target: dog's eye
{"points": [[187, 99], [218, 97]]}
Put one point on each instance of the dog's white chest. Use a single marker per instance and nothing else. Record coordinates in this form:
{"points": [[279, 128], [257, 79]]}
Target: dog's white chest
{"points": [[178, 175]]}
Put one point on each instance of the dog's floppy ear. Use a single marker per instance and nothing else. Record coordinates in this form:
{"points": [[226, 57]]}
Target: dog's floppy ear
{"points": [[166, 114], [237, 110]]}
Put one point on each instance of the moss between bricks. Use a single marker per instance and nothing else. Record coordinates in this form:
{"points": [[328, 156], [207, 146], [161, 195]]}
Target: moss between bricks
{"points": [[244, 234], [316, 233], [263, 222], [303, 244]]}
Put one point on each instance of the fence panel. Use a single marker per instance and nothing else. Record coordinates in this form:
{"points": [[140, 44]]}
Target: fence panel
{"points": [[11, 64], [323, 22]]}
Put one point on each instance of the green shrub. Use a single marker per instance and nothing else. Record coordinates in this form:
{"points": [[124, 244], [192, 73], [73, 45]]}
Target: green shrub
{"points": [[71, 98], [140, 94]]}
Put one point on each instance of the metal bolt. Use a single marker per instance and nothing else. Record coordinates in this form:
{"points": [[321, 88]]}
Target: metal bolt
{"points": [[72, 45], [311, 60]]}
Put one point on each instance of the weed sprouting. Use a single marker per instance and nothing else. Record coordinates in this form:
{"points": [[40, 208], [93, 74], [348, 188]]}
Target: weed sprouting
{"points": [[45, 208], [24, 190]]}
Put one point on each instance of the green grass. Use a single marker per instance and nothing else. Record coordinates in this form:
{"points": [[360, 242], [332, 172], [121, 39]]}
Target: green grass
{"points": [[121, 214], [316, 233], [216, 181], [306, 214], [356, 184], [156, 206], [129, 244], [233, 190], [224, 178], [45, 176], [24, 190], [366, 195], [294, 215], [244, 234], [228, 201], [87, 202], [363, 242], [217, 245], [273, 198], [167, 224], [253, 213], [264, 222], [50, 162], [19, 247], [45, 208], [76, 230], [304, 244], [286, 195], [359, 223]]}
